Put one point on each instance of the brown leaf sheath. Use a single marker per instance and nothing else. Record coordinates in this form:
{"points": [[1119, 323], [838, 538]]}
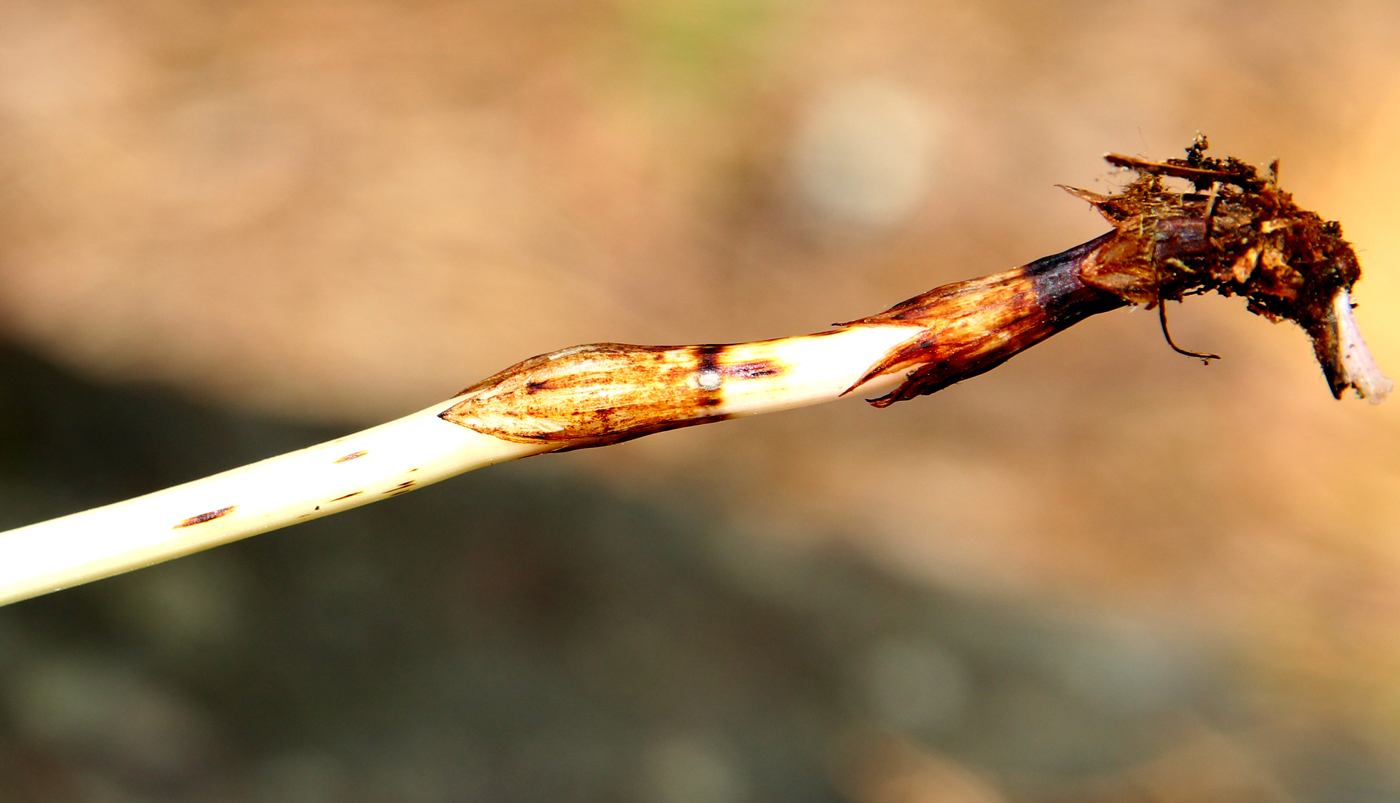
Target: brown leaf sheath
{"points": [[609, 392], [594, 395], [972, 327]]}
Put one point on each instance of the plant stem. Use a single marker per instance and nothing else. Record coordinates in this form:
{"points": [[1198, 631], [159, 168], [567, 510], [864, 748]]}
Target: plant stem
{"points": [[1246, 237], [574, 398], [299, 486]]}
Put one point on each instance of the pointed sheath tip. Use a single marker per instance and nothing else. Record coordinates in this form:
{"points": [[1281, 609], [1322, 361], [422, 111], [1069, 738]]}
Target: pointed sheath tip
{"points": [[1089, 196]]}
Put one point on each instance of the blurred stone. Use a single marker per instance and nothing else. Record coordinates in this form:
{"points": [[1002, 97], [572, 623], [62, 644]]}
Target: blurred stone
{"points": [[1122, 667], [688, 769], [916, 684], [186, 606], [885, 769], [864, 153], [296, 777], [94, 705]]}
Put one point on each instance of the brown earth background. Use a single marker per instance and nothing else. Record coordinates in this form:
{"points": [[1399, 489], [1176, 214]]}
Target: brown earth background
{"points": [[1102, 572]]}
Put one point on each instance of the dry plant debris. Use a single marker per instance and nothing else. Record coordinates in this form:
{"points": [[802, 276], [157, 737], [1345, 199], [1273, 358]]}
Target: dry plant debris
{"points": [[1236, 233]]}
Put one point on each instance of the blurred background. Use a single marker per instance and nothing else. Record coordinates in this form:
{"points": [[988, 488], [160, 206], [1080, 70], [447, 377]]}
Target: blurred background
{"points": [[1101, 573]]}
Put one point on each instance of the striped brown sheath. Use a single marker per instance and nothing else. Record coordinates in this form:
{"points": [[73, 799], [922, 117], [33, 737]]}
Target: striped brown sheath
{"points": [[972, 327], [606, 393]]}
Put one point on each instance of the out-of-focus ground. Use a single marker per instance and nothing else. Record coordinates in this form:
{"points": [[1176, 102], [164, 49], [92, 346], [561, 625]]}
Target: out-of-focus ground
{"points": [[1102, 572]]}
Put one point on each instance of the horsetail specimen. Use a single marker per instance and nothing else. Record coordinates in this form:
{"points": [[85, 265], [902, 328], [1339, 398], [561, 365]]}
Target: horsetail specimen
{"points": [[1235, 232]]}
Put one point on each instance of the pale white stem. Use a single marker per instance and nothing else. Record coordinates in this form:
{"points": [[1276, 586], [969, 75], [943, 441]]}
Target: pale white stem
{"points": [[820, 368], [377, 463], [1358, 367], [295, 487]]}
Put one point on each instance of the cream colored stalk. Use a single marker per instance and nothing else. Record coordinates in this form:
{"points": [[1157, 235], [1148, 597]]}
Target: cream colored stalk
{"points": [[367, 466]]}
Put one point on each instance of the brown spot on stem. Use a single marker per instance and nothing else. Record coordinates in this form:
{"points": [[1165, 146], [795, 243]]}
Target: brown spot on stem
{"points": [[402, 487], [352, 456], [347, 496], [755, 369], [205, 517]]}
